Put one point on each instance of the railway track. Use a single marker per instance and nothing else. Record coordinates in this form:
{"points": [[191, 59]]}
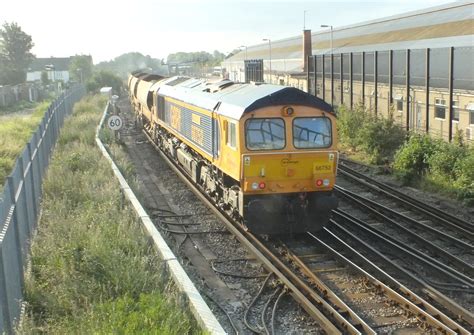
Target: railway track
{"points": [[408, 243], [451, 254], [387, 307], [329, 315], [440, 217]]}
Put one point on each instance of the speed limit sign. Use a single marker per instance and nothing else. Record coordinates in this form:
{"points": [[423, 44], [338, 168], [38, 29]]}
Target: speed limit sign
{"points": [[115, 122]]}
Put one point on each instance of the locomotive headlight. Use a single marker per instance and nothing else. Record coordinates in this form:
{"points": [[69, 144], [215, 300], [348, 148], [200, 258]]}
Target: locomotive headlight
{"points": [[288, 111], [319, 182], [326, 182], [254, 186]]}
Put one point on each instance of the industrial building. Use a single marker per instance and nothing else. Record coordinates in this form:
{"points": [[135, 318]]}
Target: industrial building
{"points": [[417, 66]]}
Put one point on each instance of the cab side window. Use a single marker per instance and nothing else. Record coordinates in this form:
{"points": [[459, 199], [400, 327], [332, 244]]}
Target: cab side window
{"points": [[231, 135]]}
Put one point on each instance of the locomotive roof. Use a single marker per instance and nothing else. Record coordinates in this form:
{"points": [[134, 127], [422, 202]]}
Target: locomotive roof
{"points": [[235, 99]]}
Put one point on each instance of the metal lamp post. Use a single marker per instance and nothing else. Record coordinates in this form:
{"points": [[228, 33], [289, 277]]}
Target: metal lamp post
{"points": [[244, 46], [332, 64], [330, 27], [270, 49]]}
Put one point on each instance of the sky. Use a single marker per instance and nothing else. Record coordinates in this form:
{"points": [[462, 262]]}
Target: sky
{"points": [[106, 29]]}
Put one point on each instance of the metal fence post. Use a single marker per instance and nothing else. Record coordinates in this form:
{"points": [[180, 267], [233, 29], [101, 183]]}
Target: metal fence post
{"points": [[427, 81], [390, 79], [351, 79], [375, 82], [324, 77], [407, 79], [332, 79], [450, 89], [315, 77], [363, 78], [341, 72]]}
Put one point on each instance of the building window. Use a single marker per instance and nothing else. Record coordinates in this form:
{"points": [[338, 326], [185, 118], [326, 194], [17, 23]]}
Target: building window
{"points": [[456, 111], [399, 105], [470, 110], [440, 108], [231, 135]]}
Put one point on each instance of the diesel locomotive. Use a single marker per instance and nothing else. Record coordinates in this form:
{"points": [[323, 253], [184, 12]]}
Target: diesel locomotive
{"points": [[266, 154]]}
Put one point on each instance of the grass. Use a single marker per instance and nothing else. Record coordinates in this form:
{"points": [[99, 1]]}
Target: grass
{"points": [[93, 271], [15, 132]]}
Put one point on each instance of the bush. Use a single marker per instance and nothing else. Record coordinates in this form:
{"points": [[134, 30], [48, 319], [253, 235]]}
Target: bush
{"points": [[377, 137], [440, 166], [411, 161], [349, 125], [443, 160], [104, 78], [464, 176]]}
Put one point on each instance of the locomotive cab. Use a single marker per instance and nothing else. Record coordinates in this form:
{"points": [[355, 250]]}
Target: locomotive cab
{"points": [[288, 170]]}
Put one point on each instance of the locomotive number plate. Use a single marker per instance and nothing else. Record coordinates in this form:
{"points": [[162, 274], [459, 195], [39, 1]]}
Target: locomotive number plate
{"points": [[322, 167]]}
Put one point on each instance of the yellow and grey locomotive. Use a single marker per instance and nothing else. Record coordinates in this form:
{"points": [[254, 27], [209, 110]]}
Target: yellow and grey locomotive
{"points": [[265, 153]]}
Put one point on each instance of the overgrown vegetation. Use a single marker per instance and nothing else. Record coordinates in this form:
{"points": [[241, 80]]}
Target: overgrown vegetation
{"points": [[437, 165], [15, 132], [132, 61], [376, 137], [104, 78], [93, 271], [19, 106]]}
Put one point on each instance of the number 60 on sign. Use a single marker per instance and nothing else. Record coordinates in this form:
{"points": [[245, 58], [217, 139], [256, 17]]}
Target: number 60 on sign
{"points": [[115, 122]]}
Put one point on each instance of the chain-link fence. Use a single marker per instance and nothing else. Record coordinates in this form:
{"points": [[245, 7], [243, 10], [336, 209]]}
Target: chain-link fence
{"points": [[19, 206]]}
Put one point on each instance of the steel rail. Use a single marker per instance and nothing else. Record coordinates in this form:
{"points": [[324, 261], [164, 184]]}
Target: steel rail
{"points": [[428, 244], [395, 244], [408, 294], [463, 226], [301, 292], [403, 302], [328, 293], [459, 311], [412, 221]]}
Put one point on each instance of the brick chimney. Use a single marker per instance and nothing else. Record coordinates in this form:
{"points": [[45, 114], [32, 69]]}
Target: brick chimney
{"points": [[307, 48]]}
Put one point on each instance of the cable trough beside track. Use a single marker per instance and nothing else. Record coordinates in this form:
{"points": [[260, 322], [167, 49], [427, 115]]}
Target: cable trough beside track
{"points": [[329, 310]]}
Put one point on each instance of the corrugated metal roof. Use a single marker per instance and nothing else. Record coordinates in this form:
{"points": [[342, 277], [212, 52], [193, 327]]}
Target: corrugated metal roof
{"points": [[440, 26]]}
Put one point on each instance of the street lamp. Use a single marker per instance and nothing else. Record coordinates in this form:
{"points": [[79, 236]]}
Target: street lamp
{"points": [[328, 26], [332, 65], [244, 46], [270, 48]]}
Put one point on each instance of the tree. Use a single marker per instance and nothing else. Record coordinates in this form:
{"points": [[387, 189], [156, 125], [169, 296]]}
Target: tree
{"points": [[44, 78], [15, 55], [104, 79], [132, 61], [80, 68]]}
